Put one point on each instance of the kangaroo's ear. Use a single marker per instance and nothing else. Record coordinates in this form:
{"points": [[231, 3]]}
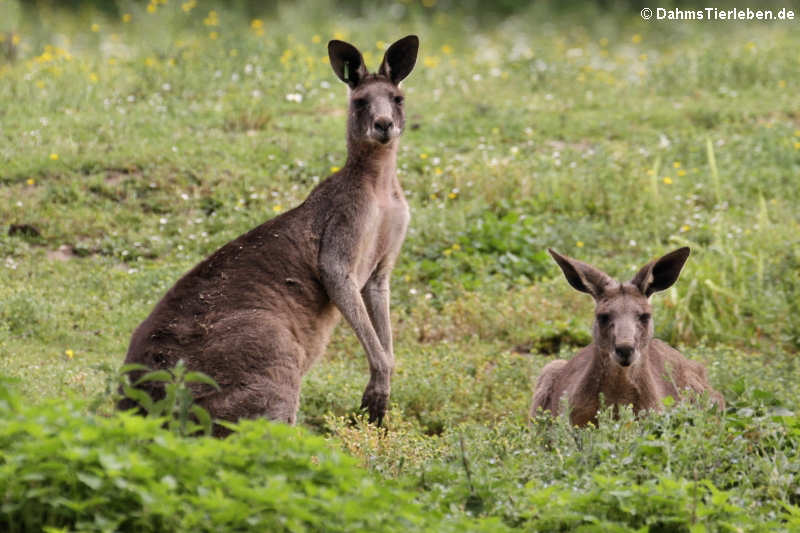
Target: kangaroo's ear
{"points": [[582, 276], [347, 62], [661, 273], [400, 58]]}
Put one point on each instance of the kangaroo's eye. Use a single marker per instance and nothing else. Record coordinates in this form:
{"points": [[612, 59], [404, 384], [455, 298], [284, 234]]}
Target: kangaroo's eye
{"points": [[360, 102], [644, 318], [603, 319], [398, 100]]}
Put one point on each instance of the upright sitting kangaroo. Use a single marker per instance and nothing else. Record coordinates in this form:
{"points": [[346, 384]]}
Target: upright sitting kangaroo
{"points": [[259, 311], [624, 362]]}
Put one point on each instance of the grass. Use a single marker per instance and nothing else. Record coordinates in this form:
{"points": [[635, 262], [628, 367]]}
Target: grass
{"points": [[134, 146]]}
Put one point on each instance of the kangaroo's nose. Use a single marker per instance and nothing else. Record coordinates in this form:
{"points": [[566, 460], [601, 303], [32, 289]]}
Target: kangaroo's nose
{"points": [[383, 124], [624, 354]]}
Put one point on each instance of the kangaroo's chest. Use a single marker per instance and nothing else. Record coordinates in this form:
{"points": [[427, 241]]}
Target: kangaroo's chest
{"points": [[383, 234], [641, 390]]}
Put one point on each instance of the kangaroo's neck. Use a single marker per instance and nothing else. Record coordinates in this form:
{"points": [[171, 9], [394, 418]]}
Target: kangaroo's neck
{"points": [[373, 163], [623, 382]]}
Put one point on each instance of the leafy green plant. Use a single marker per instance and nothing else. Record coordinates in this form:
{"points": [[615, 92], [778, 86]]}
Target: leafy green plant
{"points": [[183, 416], [63, 469], [616, 504], [511, 240], [177, 406]]}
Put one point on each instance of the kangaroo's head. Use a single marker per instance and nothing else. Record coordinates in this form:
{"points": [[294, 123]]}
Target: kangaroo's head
{"points": [[623, 324], [376, 112]]}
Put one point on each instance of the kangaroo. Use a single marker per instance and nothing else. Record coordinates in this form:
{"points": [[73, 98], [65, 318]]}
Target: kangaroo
{"points": [[624, 362], [259, 311]]}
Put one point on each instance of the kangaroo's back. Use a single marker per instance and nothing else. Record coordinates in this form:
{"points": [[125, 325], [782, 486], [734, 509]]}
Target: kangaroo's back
{"points": [[272, 268], [679, 372]]}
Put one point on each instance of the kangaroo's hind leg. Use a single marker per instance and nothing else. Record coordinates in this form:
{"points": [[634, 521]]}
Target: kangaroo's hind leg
{"points": [[259, 371], [275, 396]]}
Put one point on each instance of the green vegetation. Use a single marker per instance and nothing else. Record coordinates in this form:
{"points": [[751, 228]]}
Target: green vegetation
{"points": [[79, 472], [131, 147]]}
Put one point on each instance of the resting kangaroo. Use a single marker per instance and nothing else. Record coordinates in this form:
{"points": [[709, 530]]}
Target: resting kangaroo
{"points": [[256, 313], [624, 362]]}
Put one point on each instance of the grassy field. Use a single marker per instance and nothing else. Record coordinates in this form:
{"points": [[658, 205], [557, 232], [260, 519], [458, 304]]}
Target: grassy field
{"points": [[134, 144]]}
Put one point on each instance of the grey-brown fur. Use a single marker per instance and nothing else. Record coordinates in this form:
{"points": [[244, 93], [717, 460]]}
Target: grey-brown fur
{"points": [[259, 311], [624, 363]]}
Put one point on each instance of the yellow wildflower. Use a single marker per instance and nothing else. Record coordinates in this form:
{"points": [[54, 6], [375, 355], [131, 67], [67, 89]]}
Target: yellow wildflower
{"points": [[54, 156], [69, 353], [212, 19], [431, 61], [334, 169], [31, 181], [126, 18], [636, 39], [95, 27], [213, 35], [667, 180], [46, 56], [316, 39], [579, 244]]}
